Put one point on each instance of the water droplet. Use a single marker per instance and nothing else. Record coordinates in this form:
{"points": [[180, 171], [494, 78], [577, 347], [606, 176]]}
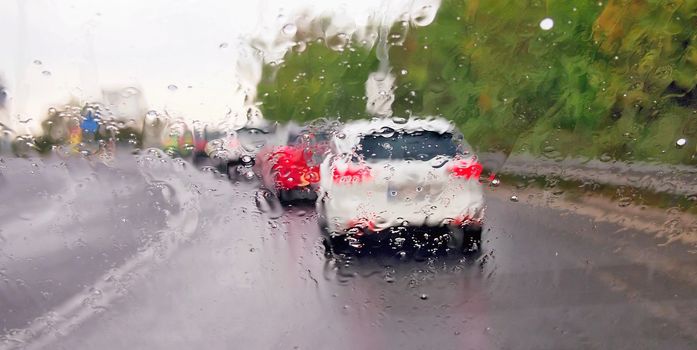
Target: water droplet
{"points": [[399, 120], [129, 92], [403, 72], [223, 45], [268, 204], [423, 296], [38, 62], [605, 157], [151, 114], [495, 182], [46, 73], [624, 202], [172, 87], [514, 198], [290, 29], [681, 142], [547, 23]]}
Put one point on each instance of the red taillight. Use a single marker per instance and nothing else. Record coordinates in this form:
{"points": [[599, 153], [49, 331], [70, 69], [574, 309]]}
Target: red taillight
{"points": [[350, 173], [312, 174], [466, 168], [460, 220], [291, 169], [200, 145], [362, 223]]}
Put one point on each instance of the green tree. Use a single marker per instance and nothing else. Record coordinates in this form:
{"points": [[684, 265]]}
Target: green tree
{"points": [[615, 79]]}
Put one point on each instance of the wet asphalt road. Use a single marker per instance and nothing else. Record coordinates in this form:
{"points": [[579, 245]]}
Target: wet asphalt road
{"points": [[155, 255]]}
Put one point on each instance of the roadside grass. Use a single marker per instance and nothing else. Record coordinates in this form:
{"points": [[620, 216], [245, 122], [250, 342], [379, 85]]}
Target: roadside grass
{"points": [[622, 196]]}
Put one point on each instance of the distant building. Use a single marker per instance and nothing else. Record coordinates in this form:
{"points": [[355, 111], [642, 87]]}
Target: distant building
{"points": [[126, 105], [4, 115], [62, 126], [3, 96], [6, 138], [153, 129]]}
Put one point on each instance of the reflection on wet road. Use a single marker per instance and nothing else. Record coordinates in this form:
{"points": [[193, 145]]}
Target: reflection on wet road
{"points": [[218, 274]]}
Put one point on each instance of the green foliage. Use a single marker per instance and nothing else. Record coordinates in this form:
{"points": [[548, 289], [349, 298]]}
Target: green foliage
{"points": [[317, 82], [615, 78]]}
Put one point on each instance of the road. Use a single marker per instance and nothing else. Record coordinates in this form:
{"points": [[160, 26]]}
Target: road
{"points": [[156, 255]]}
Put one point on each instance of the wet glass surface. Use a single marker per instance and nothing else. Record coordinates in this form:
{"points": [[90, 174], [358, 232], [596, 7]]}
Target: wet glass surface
{"points": [[403, 174]]}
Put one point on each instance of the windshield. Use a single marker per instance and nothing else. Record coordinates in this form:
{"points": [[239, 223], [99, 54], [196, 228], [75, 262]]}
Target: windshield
{"points": [[394, 174], [421, 145]]}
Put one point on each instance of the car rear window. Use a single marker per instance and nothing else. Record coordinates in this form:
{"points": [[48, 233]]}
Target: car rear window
{"points": [[251, 135], [313, 138], [419, 145], [252, 139]]}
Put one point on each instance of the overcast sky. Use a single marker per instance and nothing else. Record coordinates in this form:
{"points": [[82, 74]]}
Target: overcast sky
{"points": [[54, 49]]}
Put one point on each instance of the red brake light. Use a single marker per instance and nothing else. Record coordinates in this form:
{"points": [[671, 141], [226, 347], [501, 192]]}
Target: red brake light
{"points": [[350, 173], [200, 145], [466, 168], [312, 174], [291, 169]]}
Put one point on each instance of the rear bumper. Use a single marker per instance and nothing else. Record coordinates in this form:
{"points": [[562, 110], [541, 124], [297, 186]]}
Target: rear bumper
{"points": [[301, 193], [367, 230], [341, 218]]}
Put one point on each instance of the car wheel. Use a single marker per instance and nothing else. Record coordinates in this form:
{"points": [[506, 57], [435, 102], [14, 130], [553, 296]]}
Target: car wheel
{"points": [[328, 249], [465, 239], [345, 244], [268, 203], [200, 159], [232, 172], [285, 196], [323, 224]]}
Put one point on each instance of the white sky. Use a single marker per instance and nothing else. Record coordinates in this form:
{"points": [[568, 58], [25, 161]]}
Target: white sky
{"points": [[87, 45]]}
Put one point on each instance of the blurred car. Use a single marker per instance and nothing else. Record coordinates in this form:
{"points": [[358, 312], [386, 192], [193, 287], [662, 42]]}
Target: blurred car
{"points": [[390, 173], [178, 140], [202, 136], [236, 152], [291, 171]]}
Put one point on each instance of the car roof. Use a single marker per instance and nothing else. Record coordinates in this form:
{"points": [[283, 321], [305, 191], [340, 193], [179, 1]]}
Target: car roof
{"points": [[352, 132]]}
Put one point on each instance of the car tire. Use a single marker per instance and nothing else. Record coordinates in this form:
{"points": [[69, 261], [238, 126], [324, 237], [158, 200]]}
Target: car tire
{"points": [[466, 239], [232, 172], [323, 224], [345, 245], [285, 196], [267, 202]]}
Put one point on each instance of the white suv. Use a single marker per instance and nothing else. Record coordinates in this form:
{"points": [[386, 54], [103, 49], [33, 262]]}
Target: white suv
{"points": [[391, 173]]}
